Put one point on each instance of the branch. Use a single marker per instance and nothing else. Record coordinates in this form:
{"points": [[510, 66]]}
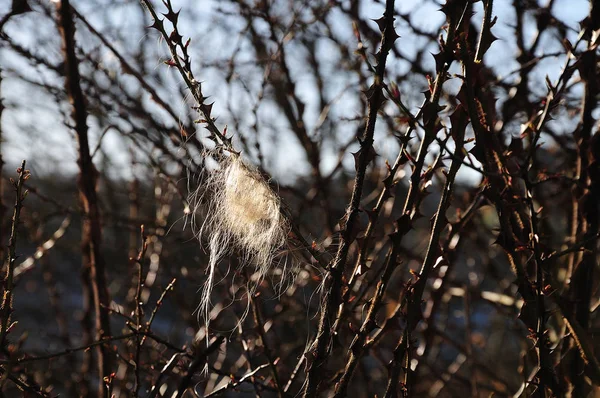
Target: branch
{"points": [[91, 226], [413, 310], [198, 362], [333, 279], [9, 265]]}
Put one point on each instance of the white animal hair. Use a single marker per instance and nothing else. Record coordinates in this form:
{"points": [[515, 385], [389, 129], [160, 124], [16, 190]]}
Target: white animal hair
{"points": [[242, 215]]}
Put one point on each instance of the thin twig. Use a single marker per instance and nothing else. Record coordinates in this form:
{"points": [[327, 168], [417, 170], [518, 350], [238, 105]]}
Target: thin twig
{"points": [[139, 311], [157, 306], [267, 349], [199, 361], [9, 265]]}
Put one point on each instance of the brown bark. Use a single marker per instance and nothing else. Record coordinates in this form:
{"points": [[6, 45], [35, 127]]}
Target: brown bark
{"points": [[91, 239]]}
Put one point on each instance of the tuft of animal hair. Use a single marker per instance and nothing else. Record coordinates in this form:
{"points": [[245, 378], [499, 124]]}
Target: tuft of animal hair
{"points": [[242, 214]]}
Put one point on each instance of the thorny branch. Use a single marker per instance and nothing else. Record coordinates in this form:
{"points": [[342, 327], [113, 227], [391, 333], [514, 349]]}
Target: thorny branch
{"points": [[317, 354]]}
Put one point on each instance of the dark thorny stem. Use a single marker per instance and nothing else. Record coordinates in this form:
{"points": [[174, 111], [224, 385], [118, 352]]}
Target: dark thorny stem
{"points": [[358, 346], [183, 65], [588, 193], [317, 354], [511, 226], [385, 194], [518, 223], [429, 112], [93, 260], [411, 203], [455, 12], [413, 304]]}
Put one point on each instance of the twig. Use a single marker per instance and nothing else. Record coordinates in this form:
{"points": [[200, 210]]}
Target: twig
{"points": [[268, 353], [198, 362], [157, 306], [43, 249], [69, 351], [93, 344], [295, 373], [234, 383], [168, 366], [9, 265], [139, 312]]}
